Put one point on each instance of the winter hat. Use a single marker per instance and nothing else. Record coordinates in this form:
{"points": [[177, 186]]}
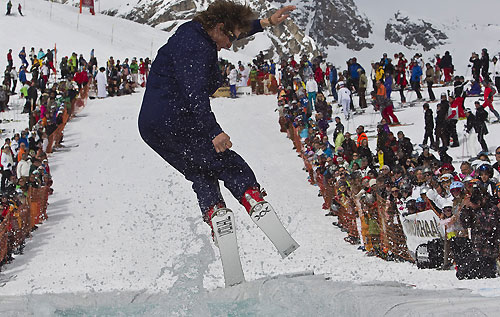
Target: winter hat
{"points": [[445, 177], [448, 166], [456, 184], [448, 204], [372, 182]]}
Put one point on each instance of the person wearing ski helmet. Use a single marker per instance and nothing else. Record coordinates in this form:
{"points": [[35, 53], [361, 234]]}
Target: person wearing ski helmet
{"points": [[456, 190], [485, 172]]}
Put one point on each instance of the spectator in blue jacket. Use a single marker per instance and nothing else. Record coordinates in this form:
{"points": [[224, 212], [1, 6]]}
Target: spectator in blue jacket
{"points": [[176, 119], [333, 80], [353, 72], [416, 74], [22, 75]]}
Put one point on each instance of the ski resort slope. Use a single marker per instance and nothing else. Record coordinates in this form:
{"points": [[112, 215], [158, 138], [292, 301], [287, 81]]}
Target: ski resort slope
{"points": [[125, 236], [123, 222]]}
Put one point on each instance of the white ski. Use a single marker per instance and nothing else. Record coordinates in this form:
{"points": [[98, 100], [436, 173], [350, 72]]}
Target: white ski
{"points": [[266, 219], [225, 236]]}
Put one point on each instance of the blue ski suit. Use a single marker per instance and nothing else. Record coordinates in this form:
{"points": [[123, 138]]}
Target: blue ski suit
{"points": [[176, 119]]}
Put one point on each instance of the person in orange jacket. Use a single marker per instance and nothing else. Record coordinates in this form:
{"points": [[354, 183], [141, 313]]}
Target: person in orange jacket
{"points": [[360, 131]]}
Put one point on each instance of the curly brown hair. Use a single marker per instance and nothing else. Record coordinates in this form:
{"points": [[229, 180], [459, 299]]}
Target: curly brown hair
{"points": [[234, 16]]}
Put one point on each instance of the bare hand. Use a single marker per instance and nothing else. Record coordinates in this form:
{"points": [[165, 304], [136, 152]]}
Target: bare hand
{"points": [[222, 142], [281, 15]]}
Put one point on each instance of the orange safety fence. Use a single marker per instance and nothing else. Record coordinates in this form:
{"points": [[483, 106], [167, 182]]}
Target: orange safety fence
{"points": [[21, 220], [77, 104], [4, 238]]}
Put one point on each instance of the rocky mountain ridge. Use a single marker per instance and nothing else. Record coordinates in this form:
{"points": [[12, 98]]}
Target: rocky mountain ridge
{"points": [[316, 25]]}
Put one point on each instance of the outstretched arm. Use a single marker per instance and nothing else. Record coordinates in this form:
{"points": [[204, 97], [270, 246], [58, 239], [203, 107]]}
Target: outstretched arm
{"points": [[277, 17]]}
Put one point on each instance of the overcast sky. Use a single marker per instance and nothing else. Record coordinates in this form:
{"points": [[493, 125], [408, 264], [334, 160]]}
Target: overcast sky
{"points": [[472, 11]]}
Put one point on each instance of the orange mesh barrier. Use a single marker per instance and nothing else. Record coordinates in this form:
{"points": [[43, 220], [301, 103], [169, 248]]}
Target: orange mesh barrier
{"points": [[77, 105], [4, 238]]}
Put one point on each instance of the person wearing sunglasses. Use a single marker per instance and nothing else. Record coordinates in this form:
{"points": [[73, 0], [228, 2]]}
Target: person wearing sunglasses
{"points": [[176, 119]]}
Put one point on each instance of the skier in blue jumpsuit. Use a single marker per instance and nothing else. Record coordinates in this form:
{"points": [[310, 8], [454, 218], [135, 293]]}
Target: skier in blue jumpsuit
{"points": [[176, 119]]}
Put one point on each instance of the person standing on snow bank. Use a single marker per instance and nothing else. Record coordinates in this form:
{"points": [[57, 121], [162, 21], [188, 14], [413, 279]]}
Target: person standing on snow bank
{"points": [[446, 64], [489, 93], [9, 7], [176, 119], [233, 80], [312, 91], [344, 99], [496, 72], [102, 83]]}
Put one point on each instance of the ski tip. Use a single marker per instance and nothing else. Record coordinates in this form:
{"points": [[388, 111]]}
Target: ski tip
{"points": [[289, 250], [235, 283]]}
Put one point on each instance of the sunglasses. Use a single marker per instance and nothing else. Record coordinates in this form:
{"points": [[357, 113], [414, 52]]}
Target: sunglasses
{"points": [[497, 153], [231, 36]]}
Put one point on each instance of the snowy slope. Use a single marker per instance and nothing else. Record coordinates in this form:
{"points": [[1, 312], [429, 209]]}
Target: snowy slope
{"points": [[123, 221]]}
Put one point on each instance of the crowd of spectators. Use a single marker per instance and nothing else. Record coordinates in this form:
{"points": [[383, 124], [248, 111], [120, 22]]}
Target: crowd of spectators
{"points": [[372, 189], [49, 100], [260, 75]]}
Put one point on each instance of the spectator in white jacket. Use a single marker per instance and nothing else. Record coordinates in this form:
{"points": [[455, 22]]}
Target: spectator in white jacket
{"points": [[344, 99], [102, 83], [496, 72], [312, 91], [7, 165], [233, 79], [440, 193], [23, 167], [245, 73], [14, 146]]}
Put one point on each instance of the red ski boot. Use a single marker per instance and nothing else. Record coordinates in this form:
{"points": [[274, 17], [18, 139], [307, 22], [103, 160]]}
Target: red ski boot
{"points": [[208, 217], [251, 197]]}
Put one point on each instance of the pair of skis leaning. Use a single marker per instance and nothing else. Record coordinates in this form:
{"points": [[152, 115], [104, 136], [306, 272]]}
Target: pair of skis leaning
{"points": [[264, 216]]}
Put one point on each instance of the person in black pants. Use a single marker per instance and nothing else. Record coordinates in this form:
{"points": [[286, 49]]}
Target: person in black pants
{"points": [[429, 125], [485, 65], [442, 123], [479, 124], [176, 118], [476, 67], [429, 79]]}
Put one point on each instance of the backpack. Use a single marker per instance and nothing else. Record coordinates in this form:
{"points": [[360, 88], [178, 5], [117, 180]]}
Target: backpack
{"points": [[492, 93], [430, 255]]}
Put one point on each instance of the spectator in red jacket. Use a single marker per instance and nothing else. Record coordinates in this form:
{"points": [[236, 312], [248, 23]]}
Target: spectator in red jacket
{"points": [[81, 78], [489, 92]]}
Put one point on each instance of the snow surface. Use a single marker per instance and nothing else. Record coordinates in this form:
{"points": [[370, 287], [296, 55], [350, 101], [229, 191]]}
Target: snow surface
{"points": [[122, 220], [125, 236]]}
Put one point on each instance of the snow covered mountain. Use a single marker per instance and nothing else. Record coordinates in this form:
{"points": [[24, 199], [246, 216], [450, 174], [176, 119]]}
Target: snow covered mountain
{"points": [[167, 15], [402, 29], [341, 28]]}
